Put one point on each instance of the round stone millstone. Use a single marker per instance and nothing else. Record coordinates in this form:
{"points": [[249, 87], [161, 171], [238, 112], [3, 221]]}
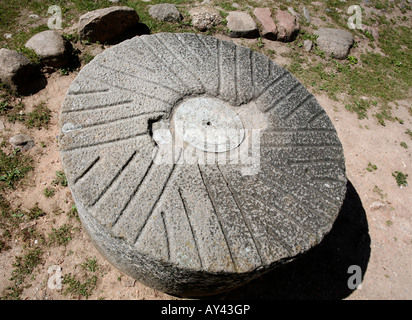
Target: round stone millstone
{"points": [[197, 165]]}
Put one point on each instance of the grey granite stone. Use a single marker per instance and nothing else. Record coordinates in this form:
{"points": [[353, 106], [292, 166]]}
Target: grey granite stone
{"points": [[165, 12], [16, 70], [51, 47], [107, 23], [204, 18], [153, 196], [334, 42], [22, 141], [241, 25]]}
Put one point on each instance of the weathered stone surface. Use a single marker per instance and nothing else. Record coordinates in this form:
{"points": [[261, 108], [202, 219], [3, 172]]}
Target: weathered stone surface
{"points": [[51, 47], [16, 70], [241, 25], [165, 12], [288, 26], [155, 199], [307, 45], [106, 24], [269, 29], [336, 43], [22, 141], [204, 18]]}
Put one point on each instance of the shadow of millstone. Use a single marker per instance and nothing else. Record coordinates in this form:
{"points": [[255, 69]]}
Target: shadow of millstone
{"points": [[322, 272]]}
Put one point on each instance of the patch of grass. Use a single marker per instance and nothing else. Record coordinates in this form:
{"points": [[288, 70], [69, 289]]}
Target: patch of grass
{"points": [[13, 168], [404, 145], [60, 180], [379, 191], [225, 5], [400, 178], [371, 167], [90, 264], [48, 192], [61, 236], [72, 213], [87, 57], [360, 107], [409, 133], [35, 212], [23, 266], [76, 288], [39, 118]]}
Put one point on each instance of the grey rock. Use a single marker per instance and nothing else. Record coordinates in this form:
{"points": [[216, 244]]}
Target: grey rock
{"points": [[307, 45], [51, 47], [167, 211], [288, 26], [165, 12], [106, 24], [241, 25], [22, 141], [16, 70], [334, 42], [204, 18]]}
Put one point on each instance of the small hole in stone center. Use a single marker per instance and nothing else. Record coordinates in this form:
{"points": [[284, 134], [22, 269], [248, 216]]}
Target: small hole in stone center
{"points": [[208, 123]]}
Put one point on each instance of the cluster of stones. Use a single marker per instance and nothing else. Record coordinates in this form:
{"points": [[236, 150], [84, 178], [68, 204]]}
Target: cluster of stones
{"points": [[54, 51], [284, 26], [102, 25]]}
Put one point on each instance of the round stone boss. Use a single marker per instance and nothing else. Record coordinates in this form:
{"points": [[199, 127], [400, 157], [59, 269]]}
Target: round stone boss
{"points": [[196, 164]]}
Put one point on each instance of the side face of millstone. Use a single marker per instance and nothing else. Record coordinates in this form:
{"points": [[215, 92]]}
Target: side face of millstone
{"points": [[202, 227]]}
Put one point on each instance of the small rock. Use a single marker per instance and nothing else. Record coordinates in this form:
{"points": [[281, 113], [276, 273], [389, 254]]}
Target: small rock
{"points": [[204, 18], [288, 26], [1, 126], [165, 12], [16, 70], [307, 45], [22, 141], [306, 14], [377, 205], [8, 35], [34, 16], [269, 29], [103, 24], [51, 47], [334, 42], [241, 25]]}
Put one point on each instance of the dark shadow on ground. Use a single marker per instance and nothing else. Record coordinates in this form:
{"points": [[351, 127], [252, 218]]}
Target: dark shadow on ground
{"points": [[137, 30], [322, 272]]}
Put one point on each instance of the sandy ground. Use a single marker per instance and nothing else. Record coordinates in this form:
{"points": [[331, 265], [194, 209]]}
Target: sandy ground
{"points": [[373, 230]]}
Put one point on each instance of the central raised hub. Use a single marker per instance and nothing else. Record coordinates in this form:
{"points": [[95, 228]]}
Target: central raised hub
{"points": [[208, 124]]}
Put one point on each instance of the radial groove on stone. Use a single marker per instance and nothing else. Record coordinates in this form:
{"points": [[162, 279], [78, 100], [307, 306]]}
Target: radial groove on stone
{"points": [[179, 212]]}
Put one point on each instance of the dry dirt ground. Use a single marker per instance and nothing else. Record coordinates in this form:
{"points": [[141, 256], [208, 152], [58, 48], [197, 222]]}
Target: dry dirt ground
{"points": [[373, 231]]}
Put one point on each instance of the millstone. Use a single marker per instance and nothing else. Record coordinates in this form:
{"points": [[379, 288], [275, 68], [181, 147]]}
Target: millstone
{"points": [[197, 165]]}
